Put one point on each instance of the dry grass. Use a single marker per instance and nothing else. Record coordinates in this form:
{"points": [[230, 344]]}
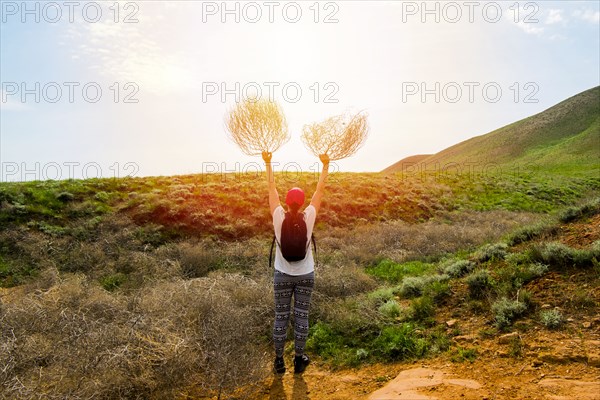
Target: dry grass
{"points": [[401, 241], [67, 337]]}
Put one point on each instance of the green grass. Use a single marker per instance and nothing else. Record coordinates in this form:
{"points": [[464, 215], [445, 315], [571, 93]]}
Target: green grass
{"points": [[395, 272]]}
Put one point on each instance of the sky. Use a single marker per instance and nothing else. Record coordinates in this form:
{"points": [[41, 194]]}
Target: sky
{"points": [[141, 88]]}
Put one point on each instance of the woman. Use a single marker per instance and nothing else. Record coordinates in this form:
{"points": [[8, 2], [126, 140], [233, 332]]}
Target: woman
{"points": [[293, 278]]}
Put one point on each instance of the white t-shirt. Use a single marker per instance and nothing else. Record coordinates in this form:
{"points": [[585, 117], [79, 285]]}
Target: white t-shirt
{"points": [[297, 267]]}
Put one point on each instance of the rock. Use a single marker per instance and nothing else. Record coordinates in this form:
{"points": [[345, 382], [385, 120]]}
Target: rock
{"points": [[587, 325], [502, 353], [406, 384], [593, 358], [561, 355], [546, 306], [506, 339], [450, 323], [570, 320], [553, 358], [465, 338]]}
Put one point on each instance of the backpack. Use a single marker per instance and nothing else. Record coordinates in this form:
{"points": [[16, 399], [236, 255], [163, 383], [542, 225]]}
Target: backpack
{"points": [[293, 244]]}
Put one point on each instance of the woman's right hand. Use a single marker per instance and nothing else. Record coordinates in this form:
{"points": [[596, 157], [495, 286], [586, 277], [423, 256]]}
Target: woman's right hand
{"points": [[324, 159]]}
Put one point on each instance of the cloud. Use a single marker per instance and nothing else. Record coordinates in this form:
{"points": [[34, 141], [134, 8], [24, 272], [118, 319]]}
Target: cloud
{"points": [[133, 52], [588, 15], [554, 16], [8, 102], [530, 28]]}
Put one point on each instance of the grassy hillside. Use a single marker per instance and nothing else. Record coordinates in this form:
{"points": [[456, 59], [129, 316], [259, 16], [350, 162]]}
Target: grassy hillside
{"points": [[563, 139], [406, 162]]}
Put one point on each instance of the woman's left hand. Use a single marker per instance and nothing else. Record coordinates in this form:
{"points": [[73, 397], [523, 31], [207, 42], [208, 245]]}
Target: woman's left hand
{"points": [[266, 155]]}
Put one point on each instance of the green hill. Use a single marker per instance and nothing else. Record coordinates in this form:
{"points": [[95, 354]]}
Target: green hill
{"points": [[407, 162], [563, 139]]}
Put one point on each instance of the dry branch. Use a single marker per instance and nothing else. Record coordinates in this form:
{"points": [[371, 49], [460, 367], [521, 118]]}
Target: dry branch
{"points": [[257, 126], [338, 137]]}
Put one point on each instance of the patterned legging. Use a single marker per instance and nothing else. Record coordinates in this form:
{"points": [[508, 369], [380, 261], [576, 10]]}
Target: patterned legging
{"points": [[301, 287]]}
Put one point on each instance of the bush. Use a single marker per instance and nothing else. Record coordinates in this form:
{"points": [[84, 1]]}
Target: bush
{"points": [[530, 232], [438, 291], [390, 309], [399, 343], [197, 260], [515, 276], [559, 255], [381, 295], [112, 282], [551, 319], [456, 269], [423, 309], [506, 311], [479, 283], [461, 355], [490, 252], [342, 281], [416, 286], [413, 286], [578, 212], [65, 197]]}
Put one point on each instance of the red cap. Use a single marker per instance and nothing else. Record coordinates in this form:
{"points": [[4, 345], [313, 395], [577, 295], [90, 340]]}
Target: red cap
{"points": [[294, 195]]}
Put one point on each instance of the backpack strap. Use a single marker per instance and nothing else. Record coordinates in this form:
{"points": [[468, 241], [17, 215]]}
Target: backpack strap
{"points": [[312, 238], [271, 252]]}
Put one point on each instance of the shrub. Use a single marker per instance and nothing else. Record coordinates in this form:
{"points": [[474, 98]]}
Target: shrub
{"points": [[399, 343], [102, 197], [461, 355], [390, 309], [381, 295], [489, 252], [423, 309], [578, 212], [343, 281], [530, 232], [438, 291], [559, 255], [506, 311], [412, 286], [438, 340], [112, 282], [536, 270], [197, 260], [551, 319], [582, 300], [515, 276], [515, 348], [65, 197], [458, 268], [480, 283]]}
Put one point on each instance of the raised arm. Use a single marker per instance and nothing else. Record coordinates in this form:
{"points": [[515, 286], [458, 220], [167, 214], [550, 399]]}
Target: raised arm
{"points": [[273, 195], [316, 199]]}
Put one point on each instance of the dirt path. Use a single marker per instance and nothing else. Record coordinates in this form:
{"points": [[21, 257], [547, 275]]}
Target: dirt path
{"points": [[486, 378]]}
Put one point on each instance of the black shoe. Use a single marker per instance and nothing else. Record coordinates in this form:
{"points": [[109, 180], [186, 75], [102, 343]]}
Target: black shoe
{"points": [[279, 366], [300, 363]]}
